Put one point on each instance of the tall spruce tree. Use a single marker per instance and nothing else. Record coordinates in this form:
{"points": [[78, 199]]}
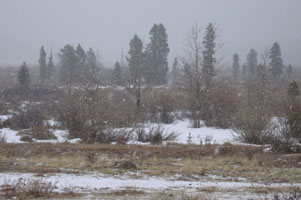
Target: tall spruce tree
{"points": [[252, 64], [156, 60], [136, 60], [23, 77], [117, 78], [276, 60], [289, 71], [42, 65], [209, 61], [50, 67], [175, 69], [68, 64], [235, 66]]}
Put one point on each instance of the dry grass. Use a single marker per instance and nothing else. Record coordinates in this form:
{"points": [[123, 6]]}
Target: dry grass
{"points": [[31, 189], [190, 161]]}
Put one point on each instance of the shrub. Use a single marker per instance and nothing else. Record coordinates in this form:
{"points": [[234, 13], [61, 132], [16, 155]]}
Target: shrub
{"points": [[26, 138], [161, 104], [283, 140], [221, 106], [39, 133], [27, 118], [23, 189], [253, 126], [154, 135]]}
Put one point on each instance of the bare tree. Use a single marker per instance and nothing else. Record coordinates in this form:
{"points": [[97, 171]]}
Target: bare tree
{"points": [[199, 69]]}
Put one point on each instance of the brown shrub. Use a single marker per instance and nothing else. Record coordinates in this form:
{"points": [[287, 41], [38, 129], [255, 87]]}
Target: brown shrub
{"points": [[39, 133]]}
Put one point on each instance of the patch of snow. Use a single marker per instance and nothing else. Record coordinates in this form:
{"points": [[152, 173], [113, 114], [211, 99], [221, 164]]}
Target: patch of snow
{"points": [[5, 117], [11, 135], [205, 134], [97, 180]]}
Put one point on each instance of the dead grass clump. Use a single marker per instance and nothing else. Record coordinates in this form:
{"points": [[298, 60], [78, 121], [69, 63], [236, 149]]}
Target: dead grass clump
{"points": [[128, 191], [26, 138], [39, 133], [3, 138], [22, 189], [155, 135]]}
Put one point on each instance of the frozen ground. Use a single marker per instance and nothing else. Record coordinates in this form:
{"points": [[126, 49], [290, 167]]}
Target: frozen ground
{"points": [[181, 127], [92, 182]]}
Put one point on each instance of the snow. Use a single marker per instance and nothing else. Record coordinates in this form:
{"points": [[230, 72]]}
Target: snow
{"points": [[5, 117], [91, 181], [11, 135], [181, 127], [61, 135], [205, 134]]}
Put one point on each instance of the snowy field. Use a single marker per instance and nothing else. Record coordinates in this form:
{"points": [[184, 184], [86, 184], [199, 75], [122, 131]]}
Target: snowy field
{"points": [[203, 135]]}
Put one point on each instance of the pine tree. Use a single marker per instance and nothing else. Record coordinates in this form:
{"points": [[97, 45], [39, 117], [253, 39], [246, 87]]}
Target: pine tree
{"points": [[294, 110], [235, 65], [209, 60], [68, 64], [50, 67], [289, 71], [136, 60], [252, 64], [117, 79], [293, 90], [81, 57], [276, 60], [42, 65], [156, 60], [175, 69], [23, 77]]}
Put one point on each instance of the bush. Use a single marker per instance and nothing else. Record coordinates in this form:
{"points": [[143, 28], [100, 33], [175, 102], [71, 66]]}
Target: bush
{"points": [[161, 105], [23, 189], [222, 105], [92, 115], [27, 118], [39, 133], [26, 138], [155, 135], [253, 126], [283, 140]]}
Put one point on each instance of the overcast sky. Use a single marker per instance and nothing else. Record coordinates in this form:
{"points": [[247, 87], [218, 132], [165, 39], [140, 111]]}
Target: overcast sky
{"points": [[108, 25]]}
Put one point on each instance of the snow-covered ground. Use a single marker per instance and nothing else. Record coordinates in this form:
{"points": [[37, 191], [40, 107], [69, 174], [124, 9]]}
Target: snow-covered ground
{"points": [[181, 127], [89, 182]]}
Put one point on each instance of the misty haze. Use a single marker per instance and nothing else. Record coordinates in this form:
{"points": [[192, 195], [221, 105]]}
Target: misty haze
{"points": [[150, 99]]}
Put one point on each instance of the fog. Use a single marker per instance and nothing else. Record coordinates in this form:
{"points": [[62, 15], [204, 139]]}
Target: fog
{"points": [[107, 26]]}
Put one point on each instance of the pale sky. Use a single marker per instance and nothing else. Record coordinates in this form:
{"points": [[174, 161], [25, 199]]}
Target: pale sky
{"points": [[108, 26]]}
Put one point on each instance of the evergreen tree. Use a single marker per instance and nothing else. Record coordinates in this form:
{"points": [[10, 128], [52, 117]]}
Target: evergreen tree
{"points": [[175, 69], [244, 70], [235, 65], [117, 79], [81, 57], [209, 61], [294, 111], [91, 59], [50, 67], [23, 77], [68, 64], [252, 64], [42, 64], [293, 90], [289, 71], [156, 63], [276, 60], [136, 59]]}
